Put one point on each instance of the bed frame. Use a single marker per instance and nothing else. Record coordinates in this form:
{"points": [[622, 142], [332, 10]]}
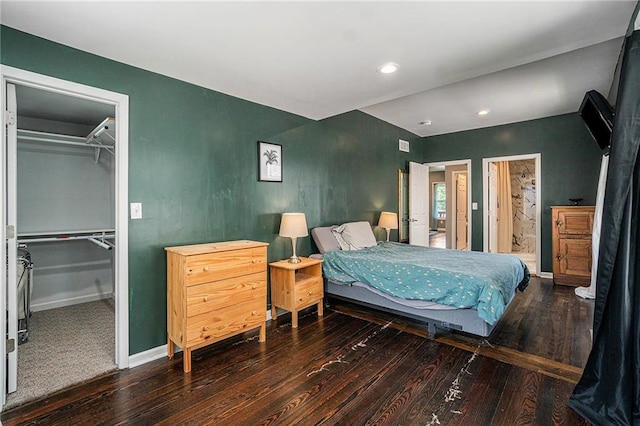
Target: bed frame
{"points": [[465, 320]]}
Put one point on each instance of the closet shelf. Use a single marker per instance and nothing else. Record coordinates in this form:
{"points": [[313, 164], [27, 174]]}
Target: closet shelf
{"points": [[98, 237], [102, 137], [63, 233]]}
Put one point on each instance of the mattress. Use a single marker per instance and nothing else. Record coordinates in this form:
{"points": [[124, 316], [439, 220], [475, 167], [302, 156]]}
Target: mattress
{"points": [[482, 281]]}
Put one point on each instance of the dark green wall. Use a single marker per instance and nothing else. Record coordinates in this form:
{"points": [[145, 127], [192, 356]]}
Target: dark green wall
{"points": [[570, 161], [193, 165]]}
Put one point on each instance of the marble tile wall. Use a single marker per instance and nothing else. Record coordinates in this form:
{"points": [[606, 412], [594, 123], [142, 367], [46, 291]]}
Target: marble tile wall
{"points": [[523, 196]]}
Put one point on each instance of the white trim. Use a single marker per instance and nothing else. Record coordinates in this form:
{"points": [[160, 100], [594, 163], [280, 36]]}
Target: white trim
{"points": [[548, 275], [467, 163], [121, 104], [149, 355], [61, 303], [3, 239], [485, 199]]}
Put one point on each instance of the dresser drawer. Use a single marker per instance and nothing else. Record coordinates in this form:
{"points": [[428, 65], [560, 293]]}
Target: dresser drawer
{"points": [[225, 322], [221, 294], [209, 267], [308, 292]]}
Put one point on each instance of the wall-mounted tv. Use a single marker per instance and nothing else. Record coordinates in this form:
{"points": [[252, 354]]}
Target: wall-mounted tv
{"points": [[597, 114]]}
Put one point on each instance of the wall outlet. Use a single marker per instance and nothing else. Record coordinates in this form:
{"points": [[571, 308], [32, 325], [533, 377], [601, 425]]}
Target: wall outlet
{"points": [[136, 210], [474, 206]]}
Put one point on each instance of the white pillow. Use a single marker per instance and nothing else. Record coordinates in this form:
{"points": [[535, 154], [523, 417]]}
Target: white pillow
{"points": [[355, 236]]}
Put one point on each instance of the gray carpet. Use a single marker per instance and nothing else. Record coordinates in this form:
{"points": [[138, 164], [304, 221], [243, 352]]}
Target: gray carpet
{"points": [[66, 346]]}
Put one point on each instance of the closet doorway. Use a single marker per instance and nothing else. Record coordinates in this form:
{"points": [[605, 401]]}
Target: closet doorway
{"points": [[512, 200], [65, 224]]}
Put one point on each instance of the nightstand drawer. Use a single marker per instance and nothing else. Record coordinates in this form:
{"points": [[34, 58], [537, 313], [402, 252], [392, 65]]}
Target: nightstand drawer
{"points": [[217, 266], [221, 294], [308, 291], [225, 322]]}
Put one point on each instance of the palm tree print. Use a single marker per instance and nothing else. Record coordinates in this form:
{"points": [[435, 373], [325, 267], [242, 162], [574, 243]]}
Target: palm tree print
{"points": [[272, 156]]}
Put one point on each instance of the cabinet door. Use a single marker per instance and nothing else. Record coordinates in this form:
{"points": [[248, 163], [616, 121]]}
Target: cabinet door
{"points": [[575, 222], [574, 257]]}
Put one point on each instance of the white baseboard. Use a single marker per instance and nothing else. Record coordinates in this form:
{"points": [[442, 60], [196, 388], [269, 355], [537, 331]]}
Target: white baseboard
{"points": [[43, 306], [148, 356], [158, 352], [548, 275]]}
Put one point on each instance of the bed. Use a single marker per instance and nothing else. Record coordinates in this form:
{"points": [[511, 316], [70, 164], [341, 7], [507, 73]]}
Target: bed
{"points": [[458, 290]]}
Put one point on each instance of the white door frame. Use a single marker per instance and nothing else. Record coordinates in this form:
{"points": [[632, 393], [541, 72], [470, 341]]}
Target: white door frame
{"points": [[485, 200], [121, 285], [466, 162]]}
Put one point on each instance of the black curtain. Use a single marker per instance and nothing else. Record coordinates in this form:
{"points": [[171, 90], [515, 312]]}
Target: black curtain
{"points": [[609, 391]]}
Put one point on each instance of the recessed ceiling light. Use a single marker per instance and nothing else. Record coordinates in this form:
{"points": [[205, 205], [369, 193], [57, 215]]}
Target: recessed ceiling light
{"points": [[483, 112], [388, 68], [426, 123]]}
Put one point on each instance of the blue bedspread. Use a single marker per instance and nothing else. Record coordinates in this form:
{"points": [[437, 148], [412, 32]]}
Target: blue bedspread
{"points": [[464, 279]]}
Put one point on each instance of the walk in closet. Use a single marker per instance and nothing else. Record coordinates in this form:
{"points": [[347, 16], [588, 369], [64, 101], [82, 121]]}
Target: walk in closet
{"points": [[65, 225]]}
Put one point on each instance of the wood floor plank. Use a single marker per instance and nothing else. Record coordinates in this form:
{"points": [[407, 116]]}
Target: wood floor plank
{"points": [[324, 390], [348, 369], [390, 391]]}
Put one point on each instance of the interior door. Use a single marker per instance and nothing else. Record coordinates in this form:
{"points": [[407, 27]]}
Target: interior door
{"points": [[11, 122], [493, 208], [418, 204], [461, 211]]}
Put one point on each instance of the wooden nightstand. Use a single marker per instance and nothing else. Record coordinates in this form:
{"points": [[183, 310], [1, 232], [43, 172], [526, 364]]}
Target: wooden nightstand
{"points": [[295, 286]]}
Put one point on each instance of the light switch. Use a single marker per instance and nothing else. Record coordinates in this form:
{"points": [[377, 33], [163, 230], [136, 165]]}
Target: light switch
{"points": [[136, 210], [474, 206]]}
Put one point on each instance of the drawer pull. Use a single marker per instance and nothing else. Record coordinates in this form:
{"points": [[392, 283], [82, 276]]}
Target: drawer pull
{"points": [[206, 298], [310, 292], [206, 269], [253, 287], [205, 328], [254, 313], [559, 256], [559, 223], [254, 261]]}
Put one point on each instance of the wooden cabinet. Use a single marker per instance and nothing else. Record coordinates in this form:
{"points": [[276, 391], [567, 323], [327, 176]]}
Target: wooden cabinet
{"points": [[295, 286], [215, 291], [572, 227]]}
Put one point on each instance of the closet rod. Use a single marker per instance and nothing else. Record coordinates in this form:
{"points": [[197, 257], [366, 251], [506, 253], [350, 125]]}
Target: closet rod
{"points": [[64, 238], [93, 232], [35, 139], [32, 135]]}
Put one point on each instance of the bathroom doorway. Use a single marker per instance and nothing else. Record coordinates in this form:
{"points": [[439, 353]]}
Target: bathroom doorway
{"points": [[511, 218]]}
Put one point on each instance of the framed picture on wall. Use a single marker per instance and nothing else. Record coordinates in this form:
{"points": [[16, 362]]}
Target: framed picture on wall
{"points": [[269, 162]]}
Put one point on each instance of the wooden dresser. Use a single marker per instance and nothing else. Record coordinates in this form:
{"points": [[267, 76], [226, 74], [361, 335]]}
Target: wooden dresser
{"points": [[215, 291], [572, 227]]}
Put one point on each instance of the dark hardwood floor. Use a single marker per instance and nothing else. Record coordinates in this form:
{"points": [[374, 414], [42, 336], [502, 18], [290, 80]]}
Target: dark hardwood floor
{"points": [[343, 369]]}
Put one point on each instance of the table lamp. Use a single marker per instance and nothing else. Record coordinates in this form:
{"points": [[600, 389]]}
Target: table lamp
{"points": [[388, 221], [293, 225]]}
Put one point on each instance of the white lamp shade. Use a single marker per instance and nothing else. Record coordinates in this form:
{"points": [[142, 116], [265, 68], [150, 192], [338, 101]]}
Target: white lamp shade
{"points": [[388, 220], [293, 225]]}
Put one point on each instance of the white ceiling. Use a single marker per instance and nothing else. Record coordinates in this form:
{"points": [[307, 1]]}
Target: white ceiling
{"points": [[522, 60]]}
